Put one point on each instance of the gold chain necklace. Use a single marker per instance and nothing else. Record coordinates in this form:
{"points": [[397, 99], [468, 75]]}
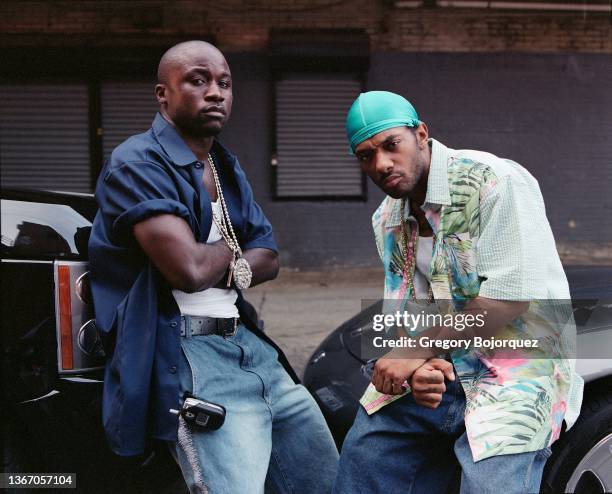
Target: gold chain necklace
{"points": [[408, 247], [239, 268]]}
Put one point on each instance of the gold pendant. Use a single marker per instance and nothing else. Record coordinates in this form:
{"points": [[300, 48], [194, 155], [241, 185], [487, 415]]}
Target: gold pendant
{"points": [[242, 273]]}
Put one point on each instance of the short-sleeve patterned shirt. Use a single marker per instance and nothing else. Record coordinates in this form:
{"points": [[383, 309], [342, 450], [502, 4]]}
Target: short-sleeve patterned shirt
{"points": [[492, 239]]}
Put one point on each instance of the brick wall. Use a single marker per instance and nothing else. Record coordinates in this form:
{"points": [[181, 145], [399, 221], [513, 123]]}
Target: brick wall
{"points": [[486, 31], [245, 25]]}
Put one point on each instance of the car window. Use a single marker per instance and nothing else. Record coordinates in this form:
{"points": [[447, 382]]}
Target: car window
{"points": [[43, 230]]}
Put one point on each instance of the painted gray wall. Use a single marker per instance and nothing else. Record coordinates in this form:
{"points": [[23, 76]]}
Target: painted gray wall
{"points": [[551, 113]]}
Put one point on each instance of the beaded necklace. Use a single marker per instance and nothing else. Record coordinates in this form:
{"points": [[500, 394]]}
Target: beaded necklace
{"points": [[239, 268], [408, 246]]}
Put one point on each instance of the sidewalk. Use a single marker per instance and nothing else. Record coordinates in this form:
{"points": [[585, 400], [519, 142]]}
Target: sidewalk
{"points": [[301, 308]]}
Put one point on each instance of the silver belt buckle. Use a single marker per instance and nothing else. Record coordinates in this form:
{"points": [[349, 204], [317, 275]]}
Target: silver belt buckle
{"points": [[231, 332]]}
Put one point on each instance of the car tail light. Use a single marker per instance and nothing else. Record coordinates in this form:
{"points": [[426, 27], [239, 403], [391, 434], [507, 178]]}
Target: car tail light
{"points": [[79, 347], [65, 317]]}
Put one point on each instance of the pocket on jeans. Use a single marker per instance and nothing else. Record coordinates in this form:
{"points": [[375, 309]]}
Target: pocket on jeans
{"points": [[259, 345]]}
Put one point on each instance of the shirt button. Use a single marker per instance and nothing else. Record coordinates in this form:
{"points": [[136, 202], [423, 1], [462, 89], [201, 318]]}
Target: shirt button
{"points": [[198, 164], [173, 369], [173, 324]]}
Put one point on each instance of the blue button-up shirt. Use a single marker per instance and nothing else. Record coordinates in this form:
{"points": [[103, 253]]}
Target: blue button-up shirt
{"points": [[149, 174]]}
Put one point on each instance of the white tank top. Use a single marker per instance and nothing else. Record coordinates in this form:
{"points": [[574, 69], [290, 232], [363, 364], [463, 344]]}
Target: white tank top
{"points": [[423, 258], [213, 302]]}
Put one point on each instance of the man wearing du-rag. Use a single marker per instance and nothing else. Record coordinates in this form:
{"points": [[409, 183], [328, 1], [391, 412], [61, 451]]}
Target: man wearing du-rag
{"points": [[466, 231]]}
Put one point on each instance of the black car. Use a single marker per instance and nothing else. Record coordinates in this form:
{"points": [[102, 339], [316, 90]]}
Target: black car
{"points": [[337, 375], [52, 362]]}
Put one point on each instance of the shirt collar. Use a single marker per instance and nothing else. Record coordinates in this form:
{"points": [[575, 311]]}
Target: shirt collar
{"points": [[172, 142], [438, 193]]}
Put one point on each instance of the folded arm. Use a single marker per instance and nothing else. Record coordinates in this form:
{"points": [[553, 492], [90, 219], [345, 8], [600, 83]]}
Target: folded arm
{"points": [[400, 364], [184, 263], [193, 266], [264, 264]]}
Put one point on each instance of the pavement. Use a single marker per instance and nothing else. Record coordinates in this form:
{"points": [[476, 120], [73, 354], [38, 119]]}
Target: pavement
{"points": [[300, 309]]}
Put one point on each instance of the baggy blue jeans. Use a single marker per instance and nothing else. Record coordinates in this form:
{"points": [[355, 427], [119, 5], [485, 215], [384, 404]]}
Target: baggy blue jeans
{"points": [[274, 438], [406, 448]]}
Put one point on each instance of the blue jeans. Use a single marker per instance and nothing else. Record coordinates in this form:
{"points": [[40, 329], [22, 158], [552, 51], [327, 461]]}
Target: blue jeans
{"points": [[407, 448], [274, 437]]}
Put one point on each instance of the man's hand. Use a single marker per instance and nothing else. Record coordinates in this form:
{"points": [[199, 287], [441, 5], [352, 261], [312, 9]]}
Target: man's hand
{"points": [[391, 371], [427, 382], [264, 264]]}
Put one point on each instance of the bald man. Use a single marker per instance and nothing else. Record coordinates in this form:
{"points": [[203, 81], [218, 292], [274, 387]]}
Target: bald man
{"points": [[177, 237]]}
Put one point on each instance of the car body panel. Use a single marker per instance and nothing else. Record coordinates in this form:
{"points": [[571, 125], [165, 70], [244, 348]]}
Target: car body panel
{"points": [[52, 416]]}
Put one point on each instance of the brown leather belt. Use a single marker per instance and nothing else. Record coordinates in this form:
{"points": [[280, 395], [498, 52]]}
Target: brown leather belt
{"points": [[198, 326]]}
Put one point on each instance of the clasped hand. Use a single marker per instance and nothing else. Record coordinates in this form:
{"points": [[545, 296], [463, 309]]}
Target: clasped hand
{"points": [[392, 374]]}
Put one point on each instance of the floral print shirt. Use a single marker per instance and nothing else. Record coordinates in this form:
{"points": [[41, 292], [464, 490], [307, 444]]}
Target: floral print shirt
{"points": [[492, 239]]}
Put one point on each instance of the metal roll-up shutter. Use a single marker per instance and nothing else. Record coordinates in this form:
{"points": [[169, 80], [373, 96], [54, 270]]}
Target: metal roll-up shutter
{"points": [[128, 108], [44, 136], [313, 157]]}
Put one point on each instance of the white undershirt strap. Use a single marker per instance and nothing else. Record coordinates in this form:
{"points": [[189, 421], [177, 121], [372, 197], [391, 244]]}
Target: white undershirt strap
{"points": [[423, 259]]}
